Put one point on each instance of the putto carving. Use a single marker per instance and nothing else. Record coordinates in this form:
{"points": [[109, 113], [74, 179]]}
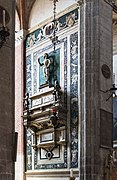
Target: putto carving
{"points": [[70, 20], [80, 2]]}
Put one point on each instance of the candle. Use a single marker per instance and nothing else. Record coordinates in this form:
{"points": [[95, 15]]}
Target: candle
{"points": [[4, 18], [71, 172]]}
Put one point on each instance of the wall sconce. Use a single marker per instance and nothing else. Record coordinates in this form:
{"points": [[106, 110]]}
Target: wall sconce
{"points": [[112, 90], [112, 3], [4, 31]]}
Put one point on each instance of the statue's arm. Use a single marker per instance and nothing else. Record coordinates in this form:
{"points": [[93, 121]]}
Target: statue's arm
{"points": [[41, 64]]}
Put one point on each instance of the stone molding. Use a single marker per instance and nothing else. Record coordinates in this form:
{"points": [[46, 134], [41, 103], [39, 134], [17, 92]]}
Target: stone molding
{"points": [[53, 173]]}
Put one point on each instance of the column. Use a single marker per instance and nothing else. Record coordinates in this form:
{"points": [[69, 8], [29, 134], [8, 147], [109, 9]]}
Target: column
{"points": [[95, 55], [7, 93], [19, 90]]}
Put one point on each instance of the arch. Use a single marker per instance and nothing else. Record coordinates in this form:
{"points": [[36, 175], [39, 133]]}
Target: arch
{"points": [[39, 11]]}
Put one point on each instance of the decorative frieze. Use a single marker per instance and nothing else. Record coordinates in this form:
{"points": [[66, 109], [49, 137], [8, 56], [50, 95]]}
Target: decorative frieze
{"points": [[28, 75], [29, 149], [47, 30], [74, 99]]}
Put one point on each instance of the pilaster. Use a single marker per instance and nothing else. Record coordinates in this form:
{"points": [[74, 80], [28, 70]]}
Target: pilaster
{"points": [[95, 37], [19, 94]]}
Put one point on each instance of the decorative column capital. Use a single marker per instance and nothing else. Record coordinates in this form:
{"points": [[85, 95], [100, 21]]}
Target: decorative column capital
{"points": [[20, 36], [80, 2]]}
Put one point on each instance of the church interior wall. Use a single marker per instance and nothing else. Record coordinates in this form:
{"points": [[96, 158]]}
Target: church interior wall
{"points": [[37, 43], [43, 10]]}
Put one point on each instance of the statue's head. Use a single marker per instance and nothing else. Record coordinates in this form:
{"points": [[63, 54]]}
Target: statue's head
{"points": [[46, 55]]}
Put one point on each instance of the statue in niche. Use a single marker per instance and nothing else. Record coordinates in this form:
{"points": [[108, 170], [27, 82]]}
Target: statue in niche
{"points": [[46, 66]]}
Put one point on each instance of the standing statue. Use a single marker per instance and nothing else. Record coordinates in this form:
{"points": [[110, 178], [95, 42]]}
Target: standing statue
{"points": [[46, 66]]}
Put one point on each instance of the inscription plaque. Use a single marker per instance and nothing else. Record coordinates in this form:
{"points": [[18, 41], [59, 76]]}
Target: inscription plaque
{"points": [[46, 137]]}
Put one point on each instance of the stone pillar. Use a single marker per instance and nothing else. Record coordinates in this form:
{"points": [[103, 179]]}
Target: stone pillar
{"points": [[19, 90], [95, 55], [7, 95]]}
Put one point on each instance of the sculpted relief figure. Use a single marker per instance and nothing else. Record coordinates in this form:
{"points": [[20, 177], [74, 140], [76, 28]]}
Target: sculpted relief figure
{"points": [[46, 66]]}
